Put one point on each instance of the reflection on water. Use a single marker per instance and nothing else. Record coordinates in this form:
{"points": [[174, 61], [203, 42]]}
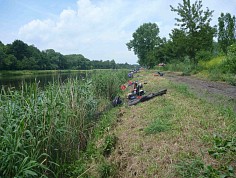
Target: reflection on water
{"points": [[42, 80]]}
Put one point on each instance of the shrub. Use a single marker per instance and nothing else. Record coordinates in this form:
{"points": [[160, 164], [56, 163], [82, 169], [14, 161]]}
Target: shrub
{"points": [[203, 55], [229, 64]]}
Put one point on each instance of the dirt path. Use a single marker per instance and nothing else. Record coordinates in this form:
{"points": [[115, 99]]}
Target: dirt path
{"points": [[212, 91]]}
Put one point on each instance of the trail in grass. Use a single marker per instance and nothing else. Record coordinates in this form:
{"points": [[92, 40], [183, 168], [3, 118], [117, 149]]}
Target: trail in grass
{"points": [[154, 136]]}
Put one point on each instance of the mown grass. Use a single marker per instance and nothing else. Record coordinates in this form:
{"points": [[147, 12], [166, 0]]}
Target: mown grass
{"points": [[174, 135], [42, 131], [214, 126], [161, 122]]}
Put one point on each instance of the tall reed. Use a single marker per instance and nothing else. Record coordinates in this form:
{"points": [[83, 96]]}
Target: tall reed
{"points": [[41, 130], [108, 82]]}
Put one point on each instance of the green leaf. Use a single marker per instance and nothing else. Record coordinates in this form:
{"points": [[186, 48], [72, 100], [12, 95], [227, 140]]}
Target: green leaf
{"points": [[32, 173]]}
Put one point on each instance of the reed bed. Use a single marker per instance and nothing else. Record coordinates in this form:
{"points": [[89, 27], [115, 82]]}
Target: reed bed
{"points": [[42, 130]]}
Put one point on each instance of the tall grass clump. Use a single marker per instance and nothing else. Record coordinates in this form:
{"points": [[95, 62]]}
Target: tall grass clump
{"points": [[43, 130], [107, 82]]}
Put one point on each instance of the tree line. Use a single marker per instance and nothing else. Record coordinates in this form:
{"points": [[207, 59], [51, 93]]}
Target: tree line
{"points": [[21, 56], [193, 38]]}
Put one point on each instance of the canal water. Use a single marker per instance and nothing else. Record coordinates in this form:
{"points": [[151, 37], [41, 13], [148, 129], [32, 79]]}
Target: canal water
{"points": [[42, 79]]}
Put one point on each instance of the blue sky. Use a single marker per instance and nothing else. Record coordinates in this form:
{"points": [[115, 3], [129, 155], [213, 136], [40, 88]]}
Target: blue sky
{"points": [[97, 29]]}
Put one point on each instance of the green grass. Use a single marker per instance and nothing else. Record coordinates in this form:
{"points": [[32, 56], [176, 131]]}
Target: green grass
{"points": [[194, 167], [221, 146], [162, 122], [42, 131], [168, 136], [106, 170], [109, 144], [191, 122], [92, 162]]}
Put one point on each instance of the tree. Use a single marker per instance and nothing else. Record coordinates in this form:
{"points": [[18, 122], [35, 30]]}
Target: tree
{"points": [[2, 54], [226, 31], [178, 43], [19, 49], [9, 63], [196, 24], [145, 40]]}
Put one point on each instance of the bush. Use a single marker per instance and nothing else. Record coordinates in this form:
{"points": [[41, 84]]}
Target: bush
{"points": [[203, 55], [229, 64], [187, 67]]}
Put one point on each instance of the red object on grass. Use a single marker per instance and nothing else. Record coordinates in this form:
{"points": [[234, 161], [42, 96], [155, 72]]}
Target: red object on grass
{"points": [[123, 87]]}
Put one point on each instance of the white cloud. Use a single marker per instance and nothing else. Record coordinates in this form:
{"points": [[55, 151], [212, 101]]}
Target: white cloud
{"points": [[100, 29], [96, 30]]}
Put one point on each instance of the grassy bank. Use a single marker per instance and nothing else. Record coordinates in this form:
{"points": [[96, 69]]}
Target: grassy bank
{"points": [[176, 135], [214, 69], [42, 131]]}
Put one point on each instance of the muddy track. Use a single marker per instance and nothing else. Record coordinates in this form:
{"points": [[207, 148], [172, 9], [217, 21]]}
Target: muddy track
{"points": [[212, 91]]}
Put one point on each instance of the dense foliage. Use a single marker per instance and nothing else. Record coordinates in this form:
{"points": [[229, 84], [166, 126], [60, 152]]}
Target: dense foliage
{"points": [[20, 56], [226, 31], [145, 40]]}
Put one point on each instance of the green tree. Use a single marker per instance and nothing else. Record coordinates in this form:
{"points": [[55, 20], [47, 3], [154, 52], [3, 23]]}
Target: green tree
{"points": [[9, 62], [178, 43], [145, 40], [2, 54], [112, 64], [19, 49], [226, 31], [196, 24]]}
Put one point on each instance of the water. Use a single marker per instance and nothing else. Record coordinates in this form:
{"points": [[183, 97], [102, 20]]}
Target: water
{"points": [[43, 80]]}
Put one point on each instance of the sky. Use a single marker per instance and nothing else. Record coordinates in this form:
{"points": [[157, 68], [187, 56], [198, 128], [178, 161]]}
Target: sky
{"points": [[97, 29]]}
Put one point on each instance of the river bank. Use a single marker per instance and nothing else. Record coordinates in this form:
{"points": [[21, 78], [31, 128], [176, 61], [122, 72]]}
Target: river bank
{"points": [[180, 134]]}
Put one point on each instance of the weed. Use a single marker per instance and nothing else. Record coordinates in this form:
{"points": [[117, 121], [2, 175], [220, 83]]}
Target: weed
{"points": [[158, 126], [195, 167], [228, 112], [222, 146], [109, 144], [190, 167], [106, 170]]}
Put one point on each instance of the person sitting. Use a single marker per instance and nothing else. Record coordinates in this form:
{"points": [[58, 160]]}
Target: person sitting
{"points": [[136, 91]]}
